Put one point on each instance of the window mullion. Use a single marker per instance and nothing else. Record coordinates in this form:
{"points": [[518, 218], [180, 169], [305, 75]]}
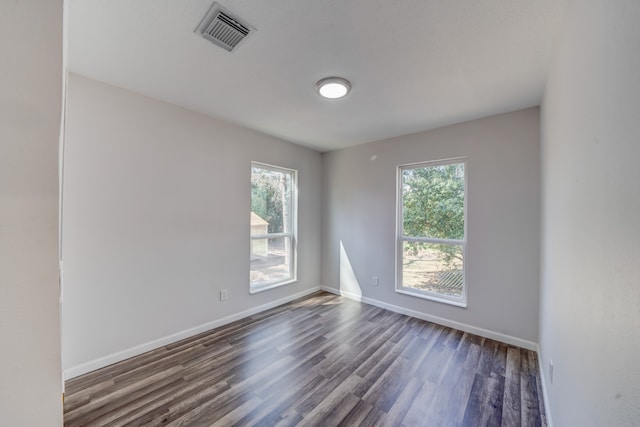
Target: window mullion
{"points": [[270, 235], [432, 240]]}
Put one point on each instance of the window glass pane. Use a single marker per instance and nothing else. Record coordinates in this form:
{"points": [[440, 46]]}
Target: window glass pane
{"points": [[270, 260], [433, 268], [271, 203], [433, 202], [272, 257]]}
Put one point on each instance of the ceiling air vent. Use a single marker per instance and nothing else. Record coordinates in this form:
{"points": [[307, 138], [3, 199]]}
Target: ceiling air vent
{"points": [[222, 28]]}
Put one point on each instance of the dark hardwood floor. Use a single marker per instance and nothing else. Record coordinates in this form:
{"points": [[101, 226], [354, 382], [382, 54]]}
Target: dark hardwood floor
{"points": [[322, 360]]}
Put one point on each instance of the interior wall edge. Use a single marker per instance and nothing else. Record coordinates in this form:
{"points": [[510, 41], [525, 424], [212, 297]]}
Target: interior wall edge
{"points": [[543, 383]]}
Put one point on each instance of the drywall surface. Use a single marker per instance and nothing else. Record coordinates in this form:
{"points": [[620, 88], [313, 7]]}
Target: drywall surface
{"points": [[156, 220], [30, 107], [590, 280], [359, 221]]}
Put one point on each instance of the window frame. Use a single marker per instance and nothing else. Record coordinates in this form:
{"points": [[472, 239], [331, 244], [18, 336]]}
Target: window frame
{"points": [[293, 235], [400, 238]]}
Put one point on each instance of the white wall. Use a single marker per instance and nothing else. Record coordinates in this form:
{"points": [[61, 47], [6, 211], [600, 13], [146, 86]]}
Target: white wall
{"points": [[156, 222], [590, 280], [503, 220], [30, 107]]}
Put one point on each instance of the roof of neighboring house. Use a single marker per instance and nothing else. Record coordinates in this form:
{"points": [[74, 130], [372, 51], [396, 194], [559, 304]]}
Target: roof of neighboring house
{"points": [[257, 220]]}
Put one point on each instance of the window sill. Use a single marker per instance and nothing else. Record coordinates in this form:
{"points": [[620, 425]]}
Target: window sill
{"points": [[260, 288], [431, 297]]}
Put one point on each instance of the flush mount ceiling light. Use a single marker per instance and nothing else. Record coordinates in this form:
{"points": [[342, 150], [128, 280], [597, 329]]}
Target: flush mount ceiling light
{"points": [[333, 87]]}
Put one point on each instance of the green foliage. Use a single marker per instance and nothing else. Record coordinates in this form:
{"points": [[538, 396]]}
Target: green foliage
{"points": [[268, 198], [433, 205]]}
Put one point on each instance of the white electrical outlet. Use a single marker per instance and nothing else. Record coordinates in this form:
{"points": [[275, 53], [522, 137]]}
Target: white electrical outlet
{"points": [[551, 371], [374, 281], [224, 295]]}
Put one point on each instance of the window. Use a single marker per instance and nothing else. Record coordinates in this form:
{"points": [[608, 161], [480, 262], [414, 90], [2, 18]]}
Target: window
{"points": [[431, 231], [273, 227]]}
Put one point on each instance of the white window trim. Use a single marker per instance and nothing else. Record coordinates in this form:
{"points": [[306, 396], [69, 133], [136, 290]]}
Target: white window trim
{"points": [[293, 269], [400, 238]]}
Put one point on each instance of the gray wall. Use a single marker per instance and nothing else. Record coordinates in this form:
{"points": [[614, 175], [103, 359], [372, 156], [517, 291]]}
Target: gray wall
{"points": [[590, 280], [359, 225], [156, 222], [30, 108]]}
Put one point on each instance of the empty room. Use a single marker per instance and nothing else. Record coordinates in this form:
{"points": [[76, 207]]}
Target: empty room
{"points": [[306, 213]]}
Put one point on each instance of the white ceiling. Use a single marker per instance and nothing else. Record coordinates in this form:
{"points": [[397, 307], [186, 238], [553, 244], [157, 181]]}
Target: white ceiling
{"points": [[414, 64]]}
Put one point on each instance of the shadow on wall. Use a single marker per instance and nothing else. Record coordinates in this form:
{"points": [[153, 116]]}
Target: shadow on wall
{"points": [[348, 280]]}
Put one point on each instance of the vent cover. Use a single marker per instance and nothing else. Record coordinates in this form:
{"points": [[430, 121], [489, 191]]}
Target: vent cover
{"points": [[219, 26]]}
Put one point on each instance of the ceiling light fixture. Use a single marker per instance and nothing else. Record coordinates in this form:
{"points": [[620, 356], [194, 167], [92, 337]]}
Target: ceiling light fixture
{"points": [[333, 87]]}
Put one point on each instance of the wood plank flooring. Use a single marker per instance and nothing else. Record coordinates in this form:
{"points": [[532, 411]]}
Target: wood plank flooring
{"points": [[319, 361]]}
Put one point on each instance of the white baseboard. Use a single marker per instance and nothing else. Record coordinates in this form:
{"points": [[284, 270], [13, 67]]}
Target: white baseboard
{"points": [[152, 345], [545, 395], [507, 339]]}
